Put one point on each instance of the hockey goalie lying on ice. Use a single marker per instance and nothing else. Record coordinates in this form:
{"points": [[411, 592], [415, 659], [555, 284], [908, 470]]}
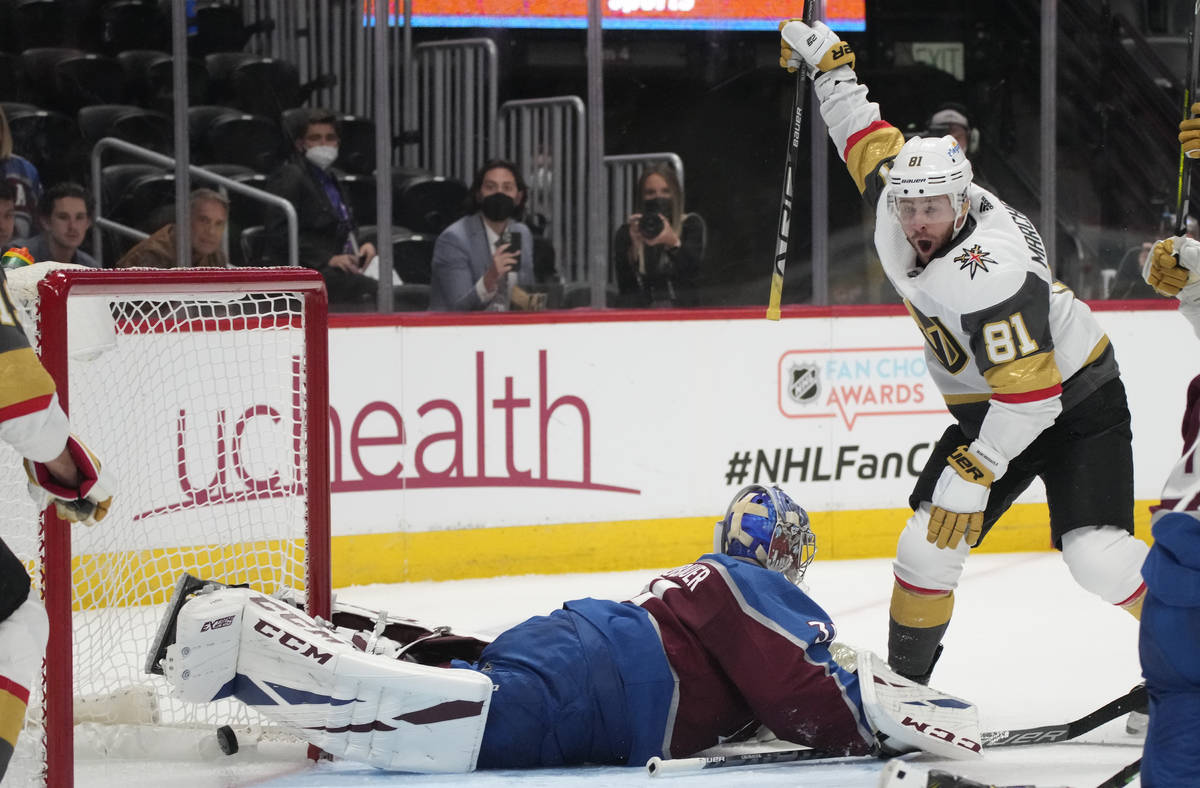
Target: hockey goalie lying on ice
{"points": [[707, 650]]}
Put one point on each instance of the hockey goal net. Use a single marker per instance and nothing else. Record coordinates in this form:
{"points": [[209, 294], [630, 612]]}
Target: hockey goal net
{"points": [[205, 393]]}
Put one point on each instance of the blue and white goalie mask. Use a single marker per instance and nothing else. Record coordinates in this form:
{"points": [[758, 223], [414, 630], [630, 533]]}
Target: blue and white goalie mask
{"points": [[766, 526]]}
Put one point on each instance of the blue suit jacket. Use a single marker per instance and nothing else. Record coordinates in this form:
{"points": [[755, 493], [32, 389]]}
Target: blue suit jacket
{"points": [[460, 256]]}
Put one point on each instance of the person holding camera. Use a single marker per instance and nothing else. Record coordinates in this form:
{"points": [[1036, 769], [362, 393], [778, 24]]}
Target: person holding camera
{"points": [[484, 261], [657, 253]]}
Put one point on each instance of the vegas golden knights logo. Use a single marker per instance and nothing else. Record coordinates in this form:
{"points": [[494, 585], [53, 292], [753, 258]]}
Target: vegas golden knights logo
{"points": [[941, 342]]}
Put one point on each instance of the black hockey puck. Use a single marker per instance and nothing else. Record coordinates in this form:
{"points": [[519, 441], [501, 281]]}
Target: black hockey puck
{"points": [[227, 740]]}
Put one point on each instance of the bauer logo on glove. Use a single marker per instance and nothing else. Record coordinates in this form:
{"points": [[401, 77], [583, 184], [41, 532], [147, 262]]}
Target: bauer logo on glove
{"points": [[814, 45], [968, 468]]}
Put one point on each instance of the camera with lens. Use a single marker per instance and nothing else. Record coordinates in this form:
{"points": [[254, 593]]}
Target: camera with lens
{"points": [[651, 224]]}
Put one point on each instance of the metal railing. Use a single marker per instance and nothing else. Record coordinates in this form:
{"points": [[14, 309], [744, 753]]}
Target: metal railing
{"points": [[456, 91], [101, 223], [547, 139]]}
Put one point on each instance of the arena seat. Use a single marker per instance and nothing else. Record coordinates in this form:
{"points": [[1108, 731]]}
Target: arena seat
{"points": [[50, 140], [220, 66], [10, 77], [149, 73], [360, 193], [356, 151], [252, 247], [37, 71], [133, 24], [86, 79], [411, 297], [412, 257], [136, 125], [266, 86], [37, 24], [250, 140], [428, 203]]}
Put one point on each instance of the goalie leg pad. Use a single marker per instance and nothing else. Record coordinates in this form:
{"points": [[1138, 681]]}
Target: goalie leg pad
{"points": [[299, 672], [911, 716]]}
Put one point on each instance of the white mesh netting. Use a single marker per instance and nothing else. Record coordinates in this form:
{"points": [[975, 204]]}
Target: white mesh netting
{"points": [[197, 404]]}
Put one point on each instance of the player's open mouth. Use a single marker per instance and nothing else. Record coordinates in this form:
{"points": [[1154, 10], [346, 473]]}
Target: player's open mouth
{"points": [[924, 246]]}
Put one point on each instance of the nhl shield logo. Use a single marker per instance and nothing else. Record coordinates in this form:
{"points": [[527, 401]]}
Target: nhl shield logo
{"points": [[805, 385]]}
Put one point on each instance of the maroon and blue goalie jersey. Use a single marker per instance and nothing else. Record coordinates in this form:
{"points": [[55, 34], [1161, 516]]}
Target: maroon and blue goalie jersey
{"points": [[712, 646]]}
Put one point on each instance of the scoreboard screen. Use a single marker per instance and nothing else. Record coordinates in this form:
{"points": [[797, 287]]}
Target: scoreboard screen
{"points": [[844, 15]]}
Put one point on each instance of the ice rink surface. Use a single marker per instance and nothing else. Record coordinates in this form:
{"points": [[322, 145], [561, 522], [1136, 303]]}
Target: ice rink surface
{"points": [[1026, 644]]}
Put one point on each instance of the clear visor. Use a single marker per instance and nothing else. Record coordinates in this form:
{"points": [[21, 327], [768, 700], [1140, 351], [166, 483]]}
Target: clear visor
{"points": [[923, 210]]}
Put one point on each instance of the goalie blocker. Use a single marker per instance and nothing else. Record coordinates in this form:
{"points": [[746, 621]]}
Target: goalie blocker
{"points": [[303, 674]]}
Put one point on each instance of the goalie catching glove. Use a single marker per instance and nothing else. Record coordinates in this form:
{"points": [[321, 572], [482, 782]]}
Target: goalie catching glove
{"points": [[961, 495], [87, 503], [816, 46]]}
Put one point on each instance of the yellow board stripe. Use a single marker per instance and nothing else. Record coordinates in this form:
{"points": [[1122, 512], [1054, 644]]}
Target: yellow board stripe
{"points": [[516, 550], [639, 544]]}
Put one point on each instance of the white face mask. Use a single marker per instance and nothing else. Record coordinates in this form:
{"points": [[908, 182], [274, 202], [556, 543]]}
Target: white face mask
{"points": [[322, 155]]}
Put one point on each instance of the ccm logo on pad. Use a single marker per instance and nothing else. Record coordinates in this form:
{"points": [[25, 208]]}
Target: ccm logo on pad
{"points": [[217, 624]]}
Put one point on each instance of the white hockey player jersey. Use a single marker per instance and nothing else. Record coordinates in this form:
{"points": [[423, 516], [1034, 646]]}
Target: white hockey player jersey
{"points": [[1008, 346]]}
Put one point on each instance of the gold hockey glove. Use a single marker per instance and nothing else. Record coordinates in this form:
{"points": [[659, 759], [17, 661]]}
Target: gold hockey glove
{"points": [[959, 500], [1162, 270], [1189, 133]]}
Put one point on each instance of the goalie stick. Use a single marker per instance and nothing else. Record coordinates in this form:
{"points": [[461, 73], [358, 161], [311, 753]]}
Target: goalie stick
{"points": [[799, 99], [1014, 737]]}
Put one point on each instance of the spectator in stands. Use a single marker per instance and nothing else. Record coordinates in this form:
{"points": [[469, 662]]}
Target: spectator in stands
{"points": [[8, 213], [484, 261], [328, 241], [658, 252], [24, 178], [953, 118], [65, 211], [210, 214]]}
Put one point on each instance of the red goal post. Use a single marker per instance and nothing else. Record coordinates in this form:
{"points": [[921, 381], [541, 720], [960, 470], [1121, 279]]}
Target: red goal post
{"points": [[205, 393]]}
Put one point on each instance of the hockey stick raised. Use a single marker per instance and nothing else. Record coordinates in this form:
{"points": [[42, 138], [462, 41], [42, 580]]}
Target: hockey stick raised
{"points": [[1041, 734], [784, 228], [1183, 194]]}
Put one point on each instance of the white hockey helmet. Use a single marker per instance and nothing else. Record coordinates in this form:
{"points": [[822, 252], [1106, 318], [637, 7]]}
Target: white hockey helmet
{"points": [[928, 167]]}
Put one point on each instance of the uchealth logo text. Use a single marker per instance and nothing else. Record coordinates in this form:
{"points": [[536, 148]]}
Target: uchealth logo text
{"points": [[848, 383], [457, 457], [822, 464], [218, 463]]}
